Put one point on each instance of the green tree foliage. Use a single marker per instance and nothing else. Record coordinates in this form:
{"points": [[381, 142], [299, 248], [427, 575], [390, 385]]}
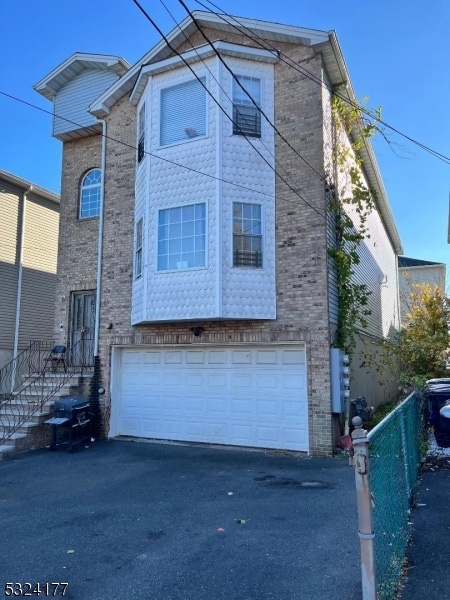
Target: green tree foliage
{"points": [[351, 133], [424, 341]]}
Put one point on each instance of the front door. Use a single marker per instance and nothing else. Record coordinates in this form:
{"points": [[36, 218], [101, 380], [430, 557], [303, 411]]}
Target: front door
{"points": [[83, 323]]}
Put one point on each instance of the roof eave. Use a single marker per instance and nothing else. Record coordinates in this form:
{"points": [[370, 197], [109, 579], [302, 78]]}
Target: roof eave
{"points": [[338, 74], [26, 185], [49, 85], [101, 107]]}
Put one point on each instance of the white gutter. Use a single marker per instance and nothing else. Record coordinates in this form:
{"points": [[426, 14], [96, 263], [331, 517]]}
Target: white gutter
{"points": [[100, 241], [20, 275]]}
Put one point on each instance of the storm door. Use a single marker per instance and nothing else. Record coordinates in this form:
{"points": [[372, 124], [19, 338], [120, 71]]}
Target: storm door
{"points": [[82, 334]]}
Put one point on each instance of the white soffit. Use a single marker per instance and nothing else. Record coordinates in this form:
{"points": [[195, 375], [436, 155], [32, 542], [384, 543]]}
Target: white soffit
{"points": [[50, 85], [199, 54]]}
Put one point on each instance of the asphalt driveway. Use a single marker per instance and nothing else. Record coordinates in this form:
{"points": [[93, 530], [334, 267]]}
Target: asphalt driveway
{"points": [[135, 520]]}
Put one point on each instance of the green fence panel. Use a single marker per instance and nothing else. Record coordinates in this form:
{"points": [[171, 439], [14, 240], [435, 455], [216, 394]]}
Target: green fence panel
{"points": [[394, 451]]}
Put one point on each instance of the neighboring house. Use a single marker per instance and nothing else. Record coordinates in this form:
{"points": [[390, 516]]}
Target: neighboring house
{"points": [[213, 307], [29, 217], [415, 271]]}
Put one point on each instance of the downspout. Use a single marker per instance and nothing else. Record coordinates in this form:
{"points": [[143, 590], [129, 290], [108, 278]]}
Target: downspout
{"points": [[20, 275], [100, 242]]}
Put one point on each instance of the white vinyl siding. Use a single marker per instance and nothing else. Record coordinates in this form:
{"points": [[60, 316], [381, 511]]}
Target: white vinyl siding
{"points": [[73, 100], [183, 112]]}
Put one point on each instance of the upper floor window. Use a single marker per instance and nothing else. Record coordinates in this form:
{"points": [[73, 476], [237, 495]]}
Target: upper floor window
{"points": [[90, 194], [246, 116], [183, 111], [247, 235], [141, 134], [138, 244], [182, 237]]}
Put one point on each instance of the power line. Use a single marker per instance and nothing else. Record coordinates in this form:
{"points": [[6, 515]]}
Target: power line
{"points": [[167, 160], [275, 128], [144, 12], [315, 79], [235, 124]]}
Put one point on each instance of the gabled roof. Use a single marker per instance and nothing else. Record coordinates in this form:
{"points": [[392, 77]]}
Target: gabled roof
{"points": [[266, 30], [27, 185], [200, 53], [320, 41], [50, 85]]}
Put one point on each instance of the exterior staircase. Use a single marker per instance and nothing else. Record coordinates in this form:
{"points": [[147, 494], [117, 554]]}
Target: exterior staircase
{"points": [[34, 389]]}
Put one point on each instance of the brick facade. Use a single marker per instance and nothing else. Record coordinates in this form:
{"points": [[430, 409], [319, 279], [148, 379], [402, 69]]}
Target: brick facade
{"points": [[301, 241]]}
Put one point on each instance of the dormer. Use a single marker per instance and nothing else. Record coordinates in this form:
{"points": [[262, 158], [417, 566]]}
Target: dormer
{"points": [[73, 86]]}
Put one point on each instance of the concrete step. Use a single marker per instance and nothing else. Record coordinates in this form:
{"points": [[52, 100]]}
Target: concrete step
{"points": [[23, 429]]}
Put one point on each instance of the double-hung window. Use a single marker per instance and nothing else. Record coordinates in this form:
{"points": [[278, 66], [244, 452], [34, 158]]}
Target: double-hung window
{"points": [[183, 111], [141, 134], [247, 116], [90, 194], [247, 235], [138, 245], [182, 237]]}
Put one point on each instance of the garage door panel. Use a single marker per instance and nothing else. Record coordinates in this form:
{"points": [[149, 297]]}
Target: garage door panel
{"points": [[217, 380], [242, 407], [151, 428], [152, 357], [267, 409], [194, 405], [248, 396]]}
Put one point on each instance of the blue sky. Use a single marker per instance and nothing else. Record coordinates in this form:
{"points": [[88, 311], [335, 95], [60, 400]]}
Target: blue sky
{"points": [[396, 51]]}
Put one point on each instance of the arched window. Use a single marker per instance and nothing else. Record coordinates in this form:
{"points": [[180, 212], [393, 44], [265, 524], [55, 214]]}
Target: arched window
{"points": [[90, 194]]}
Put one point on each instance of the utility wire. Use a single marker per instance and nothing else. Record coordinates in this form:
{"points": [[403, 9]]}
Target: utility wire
{"points": [[167, 160], [144, 12], [275, 128], [231, 102], [267, 46]]}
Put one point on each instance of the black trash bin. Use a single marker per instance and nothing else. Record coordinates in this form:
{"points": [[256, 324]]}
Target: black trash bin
{"points": [[438, 395], [71, 423]]}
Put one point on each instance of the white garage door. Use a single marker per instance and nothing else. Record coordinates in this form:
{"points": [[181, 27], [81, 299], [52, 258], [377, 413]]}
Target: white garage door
{"points": [[239, 395]]}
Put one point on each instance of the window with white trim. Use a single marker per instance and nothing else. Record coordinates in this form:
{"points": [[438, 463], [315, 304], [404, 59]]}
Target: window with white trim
{"points": [[182, 237], [183, 112], [90, 191], [247, 116], [247, 235], [141, 134], [138, 245]]}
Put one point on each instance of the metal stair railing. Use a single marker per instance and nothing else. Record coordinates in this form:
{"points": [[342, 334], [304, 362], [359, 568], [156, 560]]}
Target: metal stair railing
{"points": [[30, 380]]}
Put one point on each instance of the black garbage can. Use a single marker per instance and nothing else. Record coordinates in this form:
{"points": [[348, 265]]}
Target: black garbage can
{"points": [[438, 395], [71, 422]]}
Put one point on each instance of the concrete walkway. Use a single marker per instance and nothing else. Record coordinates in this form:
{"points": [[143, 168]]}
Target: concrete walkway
{"points": [[148, 521]]}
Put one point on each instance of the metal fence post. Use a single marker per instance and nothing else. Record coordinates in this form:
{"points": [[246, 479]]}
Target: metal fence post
{"points": [[360, 462]]}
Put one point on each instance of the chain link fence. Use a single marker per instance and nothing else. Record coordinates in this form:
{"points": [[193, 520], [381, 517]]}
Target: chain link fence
{"points": [[396, 446]]}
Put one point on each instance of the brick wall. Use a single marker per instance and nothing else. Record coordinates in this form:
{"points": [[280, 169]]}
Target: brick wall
{"points": [[77, 251], [302, 303]]}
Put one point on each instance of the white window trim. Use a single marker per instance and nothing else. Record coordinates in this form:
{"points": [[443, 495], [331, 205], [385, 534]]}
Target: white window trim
{"points": [[80, 194], [141, 134], [253, 75], [263, 239], [138, 249], [168, 206], [185, 79]]}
